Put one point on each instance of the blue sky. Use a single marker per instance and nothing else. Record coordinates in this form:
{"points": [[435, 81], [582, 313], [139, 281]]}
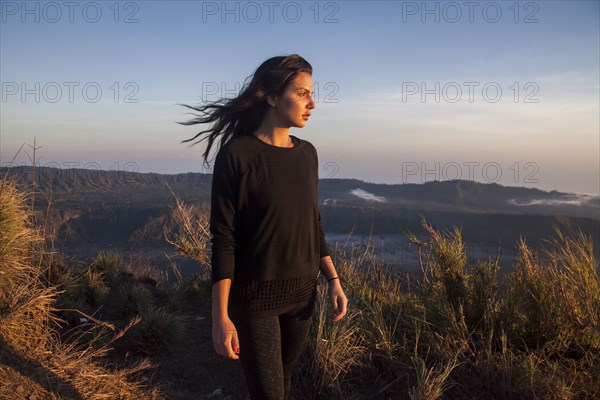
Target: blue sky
{"points": [[379, 68]]}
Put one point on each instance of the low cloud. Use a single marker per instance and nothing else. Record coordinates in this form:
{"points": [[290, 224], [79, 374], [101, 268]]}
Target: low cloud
{"points": [[367, 196], [568, 199]]}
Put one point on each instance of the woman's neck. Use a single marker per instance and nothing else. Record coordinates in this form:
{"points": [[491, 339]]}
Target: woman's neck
{"points": [[277, 138]]}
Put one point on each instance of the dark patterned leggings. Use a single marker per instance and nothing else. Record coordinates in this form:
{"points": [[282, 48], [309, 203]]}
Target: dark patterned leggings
{"points": [[270, 349]]}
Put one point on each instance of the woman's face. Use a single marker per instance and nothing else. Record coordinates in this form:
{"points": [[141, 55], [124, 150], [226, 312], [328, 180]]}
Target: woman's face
{"points": [[294, 107]]}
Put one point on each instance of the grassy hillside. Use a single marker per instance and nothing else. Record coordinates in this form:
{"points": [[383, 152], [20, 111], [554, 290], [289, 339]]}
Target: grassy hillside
{"points": [[112, 328]]}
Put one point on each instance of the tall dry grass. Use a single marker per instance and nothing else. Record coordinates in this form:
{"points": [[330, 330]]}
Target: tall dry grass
{"points": [[191, 235], [34, 362], [455, 330]]}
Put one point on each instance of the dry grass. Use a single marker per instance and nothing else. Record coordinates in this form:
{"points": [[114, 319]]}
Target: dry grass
{"points": [[34, 362], [192, 238], [454, 331]]}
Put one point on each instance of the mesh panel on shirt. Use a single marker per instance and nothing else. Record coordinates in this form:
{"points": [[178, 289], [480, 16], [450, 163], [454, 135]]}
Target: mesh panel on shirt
{"points": [[273, 294]]}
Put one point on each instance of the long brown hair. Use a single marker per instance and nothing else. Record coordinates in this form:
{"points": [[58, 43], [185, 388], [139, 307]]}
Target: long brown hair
{"points": [[243, 114]]}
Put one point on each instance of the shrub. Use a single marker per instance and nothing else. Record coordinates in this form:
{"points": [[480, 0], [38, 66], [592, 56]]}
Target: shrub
{"points": [[94, 286], [132, 298], [158, 331], [109, 264]]}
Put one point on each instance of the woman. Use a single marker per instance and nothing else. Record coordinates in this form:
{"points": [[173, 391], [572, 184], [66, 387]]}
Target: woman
{"points": [[267, 241]]}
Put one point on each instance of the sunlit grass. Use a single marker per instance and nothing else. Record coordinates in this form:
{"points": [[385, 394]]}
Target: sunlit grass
{"points": [[35, 361]]}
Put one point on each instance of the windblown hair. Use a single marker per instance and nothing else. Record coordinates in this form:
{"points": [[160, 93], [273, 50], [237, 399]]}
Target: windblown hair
{"points": [[243, 114]]}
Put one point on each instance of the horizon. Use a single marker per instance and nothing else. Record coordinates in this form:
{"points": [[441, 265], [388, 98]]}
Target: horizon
{"points": [[406, 92], [4, 168]]}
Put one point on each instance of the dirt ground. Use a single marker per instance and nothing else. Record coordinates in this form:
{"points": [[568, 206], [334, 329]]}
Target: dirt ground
{"points": [[192, 369]]}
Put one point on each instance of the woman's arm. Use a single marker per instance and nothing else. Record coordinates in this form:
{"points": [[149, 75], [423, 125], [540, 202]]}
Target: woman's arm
{"points": [[220, 298], [327, 268], [223, 230], [336, 294], [224, 333]]}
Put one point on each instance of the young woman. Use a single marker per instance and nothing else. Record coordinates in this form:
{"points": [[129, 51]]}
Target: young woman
{"points": [[268, 245]]}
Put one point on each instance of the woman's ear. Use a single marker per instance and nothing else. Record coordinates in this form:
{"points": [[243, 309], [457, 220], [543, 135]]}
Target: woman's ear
{"points": [[272, 100]]}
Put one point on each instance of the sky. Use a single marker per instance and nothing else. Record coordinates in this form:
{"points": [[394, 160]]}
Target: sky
{"points": [[406, 92]]}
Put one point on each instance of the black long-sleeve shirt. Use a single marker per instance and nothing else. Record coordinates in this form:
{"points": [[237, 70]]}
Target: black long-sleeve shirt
{"points": [[265, 224]]}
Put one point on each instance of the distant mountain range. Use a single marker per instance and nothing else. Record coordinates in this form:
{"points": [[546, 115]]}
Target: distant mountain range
{"points": [[461, 195], [132, 209]]}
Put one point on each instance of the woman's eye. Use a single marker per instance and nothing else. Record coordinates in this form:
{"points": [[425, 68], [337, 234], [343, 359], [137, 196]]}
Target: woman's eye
{"points": [[304, 93]]}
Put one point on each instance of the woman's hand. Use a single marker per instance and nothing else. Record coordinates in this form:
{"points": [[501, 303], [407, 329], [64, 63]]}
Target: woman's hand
{"points": [[338, 299], [225, 338]]}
